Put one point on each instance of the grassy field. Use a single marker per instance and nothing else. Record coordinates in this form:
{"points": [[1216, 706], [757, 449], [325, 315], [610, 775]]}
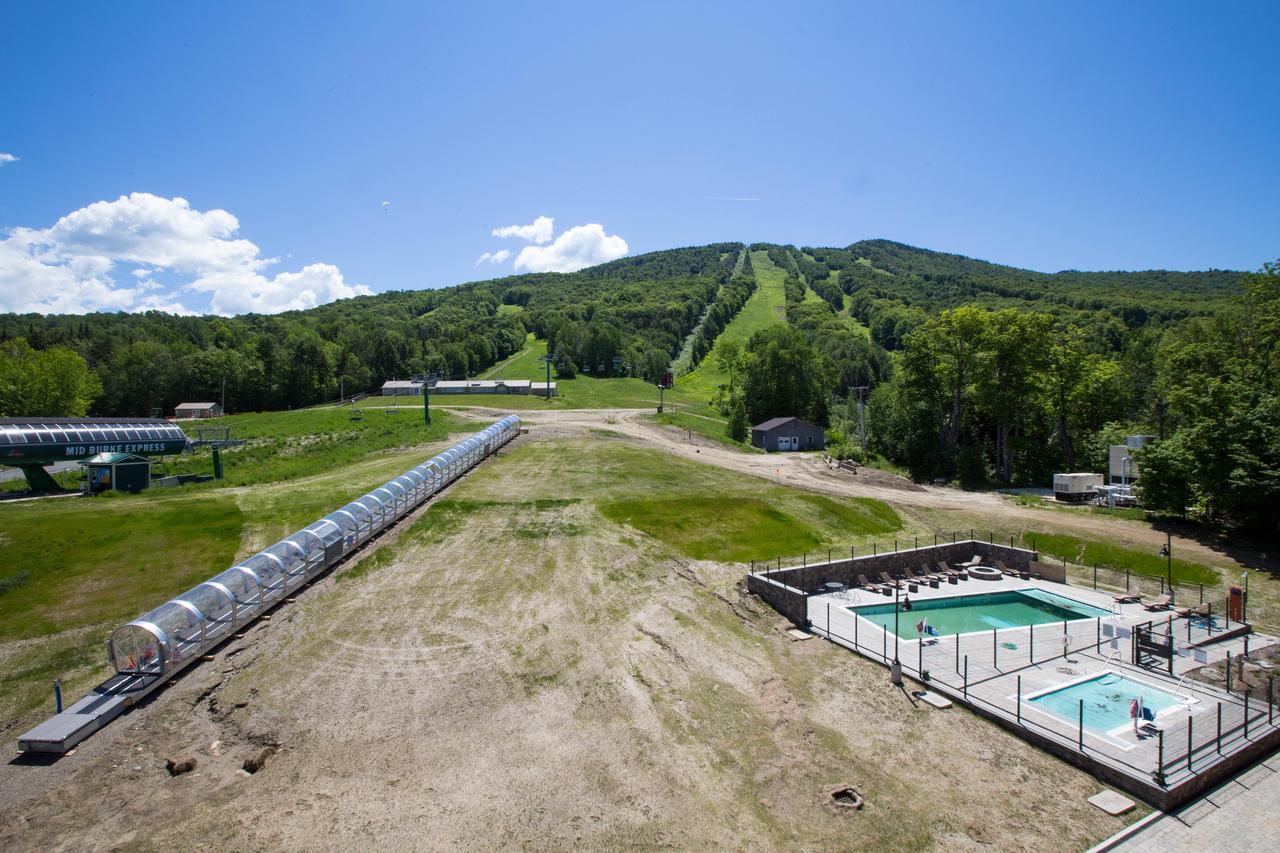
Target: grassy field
{"points": [[701, 511], [708, 424], [1089, 552], [740, 528], [766, 306], [287, 445]]}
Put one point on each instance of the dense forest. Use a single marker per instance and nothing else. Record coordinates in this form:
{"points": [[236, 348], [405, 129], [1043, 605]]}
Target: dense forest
{"points": [[975, 372], [638, 310]]}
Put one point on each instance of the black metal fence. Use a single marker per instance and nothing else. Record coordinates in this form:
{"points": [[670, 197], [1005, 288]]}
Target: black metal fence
{"points": [[972, 660]]}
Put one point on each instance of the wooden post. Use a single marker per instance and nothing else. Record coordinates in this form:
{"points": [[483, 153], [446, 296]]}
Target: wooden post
{"points": [[966, 676], [1247, 691], [1031, 649], [994, 654], [1018, 710], [1159, 756]]}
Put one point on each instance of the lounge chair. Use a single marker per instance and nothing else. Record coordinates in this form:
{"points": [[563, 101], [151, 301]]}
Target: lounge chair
{"points": [[866, 584], [1197, 610], [945, 568], [1020, 573], [1160, 602], [1126, 598], [889, 580]]}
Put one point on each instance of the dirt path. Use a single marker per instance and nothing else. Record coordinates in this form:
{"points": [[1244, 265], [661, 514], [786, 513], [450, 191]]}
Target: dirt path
{"points": [[807, 471]]}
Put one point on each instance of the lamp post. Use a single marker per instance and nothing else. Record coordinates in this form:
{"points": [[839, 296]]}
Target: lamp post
{"points": [[895, 669], [1167, 551]]}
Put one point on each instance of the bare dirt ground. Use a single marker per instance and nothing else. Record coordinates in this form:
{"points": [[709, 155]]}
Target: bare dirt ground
{"points": [[534, 676]]}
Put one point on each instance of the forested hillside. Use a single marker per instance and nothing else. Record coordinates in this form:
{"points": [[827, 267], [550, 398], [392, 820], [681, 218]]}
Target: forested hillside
{"points": [[976, 372], [640, 308]]}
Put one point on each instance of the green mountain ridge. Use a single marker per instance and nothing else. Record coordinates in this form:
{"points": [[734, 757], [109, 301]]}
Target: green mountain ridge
{"points": [[632, 316]]}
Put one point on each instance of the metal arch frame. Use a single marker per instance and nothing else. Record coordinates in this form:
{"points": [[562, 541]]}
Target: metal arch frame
{"points": [[307, 566], [380, 515], [363, 529], [389, 503], [401, 500], [284, 576], [217, 587], [319, 523], [418, 484], [194, 610], [302, 558], [161, 638], [257, 589]]}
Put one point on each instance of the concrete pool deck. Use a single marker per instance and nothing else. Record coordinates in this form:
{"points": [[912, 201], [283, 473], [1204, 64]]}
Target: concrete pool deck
{"points": [[989, 670]]}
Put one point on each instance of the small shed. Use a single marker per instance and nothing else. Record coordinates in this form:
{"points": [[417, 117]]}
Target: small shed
{"points": [[124, 472], [785, 434], [191, 411]]}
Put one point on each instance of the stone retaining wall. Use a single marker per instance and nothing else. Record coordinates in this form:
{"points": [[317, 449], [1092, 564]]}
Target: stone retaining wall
{"points": [[787, 589]]}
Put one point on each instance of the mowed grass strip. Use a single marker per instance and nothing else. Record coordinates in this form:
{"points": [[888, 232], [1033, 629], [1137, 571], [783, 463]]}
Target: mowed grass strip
{"points": [[69, 563], [766, 306], [1093, 552], [740, 528], [289, 445]]}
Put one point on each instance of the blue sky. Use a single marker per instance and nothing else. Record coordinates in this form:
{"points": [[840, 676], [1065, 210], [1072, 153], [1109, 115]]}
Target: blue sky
{"points": [[1090, 136]]}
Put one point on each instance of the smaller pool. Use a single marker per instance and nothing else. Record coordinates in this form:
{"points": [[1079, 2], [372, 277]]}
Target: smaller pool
{"points": [[1107, 697]]}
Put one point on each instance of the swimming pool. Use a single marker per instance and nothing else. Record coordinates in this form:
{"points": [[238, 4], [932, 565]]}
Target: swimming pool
{"points": [[1107, 697], [963, 614]]}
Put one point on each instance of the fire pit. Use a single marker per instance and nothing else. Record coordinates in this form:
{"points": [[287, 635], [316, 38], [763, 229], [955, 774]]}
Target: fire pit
{"points": [[984, 573]]}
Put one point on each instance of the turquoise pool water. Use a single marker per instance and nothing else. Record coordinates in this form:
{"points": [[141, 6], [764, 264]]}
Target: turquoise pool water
{"points": [[1106, 701], [964, 613]]}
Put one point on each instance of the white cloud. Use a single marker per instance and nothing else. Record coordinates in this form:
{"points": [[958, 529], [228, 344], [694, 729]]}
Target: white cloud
{"points": [[580, 246], [493, 257], [7, 158], [538, 231], [67, 268]]}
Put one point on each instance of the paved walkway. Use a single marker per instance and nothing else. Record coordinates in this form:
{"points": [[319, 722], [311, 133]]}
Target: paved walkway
{"points": [[1243, 815]]}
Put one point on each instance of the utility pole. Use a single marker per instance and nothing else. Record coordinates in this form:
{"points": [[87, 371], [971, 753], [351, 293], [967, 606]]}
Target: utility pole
{"points": [[224, 395], [426, 399], [862, 415]]}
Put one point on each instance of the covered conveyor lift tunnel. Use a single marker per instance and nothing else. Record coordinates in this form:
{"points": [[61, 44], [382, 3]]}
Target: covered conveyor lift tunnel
{"points": [[153, 648]]}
